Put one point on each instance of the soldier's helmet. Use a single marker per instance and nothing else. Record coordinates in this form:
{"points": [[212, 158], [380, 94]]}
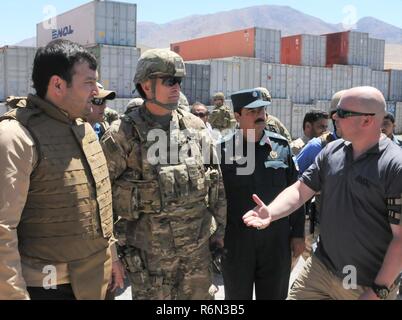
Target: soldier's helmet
{"points": [[265, 94], [218, 96], [335, 101], [159, 63]]}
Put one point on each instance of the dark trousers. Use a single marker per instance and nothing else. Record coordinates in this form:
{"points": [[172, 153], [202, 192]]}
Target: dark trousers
{"points": [[63, 292], [260, 258]]}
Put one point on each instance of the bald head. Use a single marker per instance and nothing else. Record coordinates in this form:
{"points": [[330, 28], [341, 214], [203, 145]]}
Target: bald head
{"points": [[364, 99]]}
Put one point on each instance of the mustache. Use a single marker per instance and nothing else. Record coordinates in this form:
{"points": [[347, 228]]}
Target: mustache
{"points": [[259, 120]]}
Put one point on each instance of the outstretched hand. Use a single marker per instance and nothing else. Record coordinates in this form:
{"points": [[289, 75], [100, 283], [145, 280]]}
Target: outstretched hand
{"points": [[259, 217]]}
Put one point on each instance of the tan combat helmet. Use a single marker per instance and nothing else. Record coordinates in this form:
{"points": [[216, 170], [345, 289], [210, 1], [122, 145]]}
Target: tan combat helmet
{"points": [[265, 93], [335, 101], [158, 63], [218, 96]]}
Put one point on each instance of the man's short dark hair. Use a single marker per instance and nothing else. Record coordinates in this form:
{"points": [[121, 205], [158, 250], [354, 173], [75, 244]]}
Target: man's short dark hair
{"points": [[314, 116], [389, 116], [58, 58]]}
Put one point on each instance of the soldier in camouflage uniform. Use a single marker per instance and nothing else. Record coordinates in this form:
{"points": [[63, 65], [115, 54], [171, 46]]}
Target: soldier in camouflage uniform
{"points": [[164, 202], [221, 117], [273, 123], [101, 116]]}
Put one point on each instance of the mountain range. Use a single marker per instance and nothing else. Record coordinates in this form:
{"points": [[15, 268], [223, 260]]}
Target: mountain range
{"points": [[284, 18]]}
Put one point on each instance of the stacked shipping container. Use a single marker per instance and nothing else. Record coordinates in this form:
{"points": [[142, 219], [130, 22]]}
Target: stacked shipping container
{"points": [[304, 50], [260, 43], [117, 66], [97, 22], [15, 71]]}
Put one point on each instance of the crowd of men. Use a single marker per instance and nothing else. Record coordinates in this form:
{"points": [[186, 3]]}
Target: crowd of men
{"points": [[166, 191]]}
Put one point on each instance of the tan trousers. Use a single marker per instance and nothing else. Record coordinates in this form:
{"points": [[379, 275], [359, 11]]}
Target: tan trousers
{"points": [[316, 282]]}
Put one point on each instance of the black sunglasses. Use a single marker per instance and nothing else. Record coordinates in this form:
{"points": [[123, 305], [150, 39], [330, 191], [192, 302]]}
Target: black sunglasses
{"points": [[171, 81], [342, 113], [201, 114], [98, 101]]}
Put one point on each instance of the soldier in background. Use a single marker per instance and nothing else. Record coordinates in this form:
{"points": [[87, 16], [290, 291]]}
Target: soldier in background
{"points": [[101, 116], [273, 123], [315, 123], [183, 102], [221, 117], [165, 198]]}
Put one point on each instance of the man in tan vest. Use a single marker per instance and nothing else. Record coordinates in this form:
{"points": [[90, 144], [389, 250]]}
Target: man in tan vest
{"points": [[56, 221]]}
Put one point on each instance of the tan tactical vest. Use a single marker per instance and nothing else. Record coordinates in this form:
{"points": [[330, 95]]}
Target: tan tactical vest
{"points": [[68, 212], [178, 190]]}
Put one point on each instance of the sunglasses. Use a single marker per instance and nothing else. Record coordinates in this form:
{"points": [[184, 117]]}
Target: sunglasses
{"points": [[98, 101], [342, 113], [171, 81], [201, 114]]}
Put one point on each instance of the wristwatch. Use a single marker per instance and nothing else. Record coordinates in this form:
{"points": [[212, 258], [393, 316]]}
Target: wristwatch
{"points": [[381, 292]]}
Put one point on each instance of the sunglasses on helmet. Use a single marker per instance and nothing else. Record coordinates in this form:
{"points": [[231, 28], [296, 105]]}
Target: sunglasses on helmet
{"points": [[171, 81], [98, 101], [342, 113]]}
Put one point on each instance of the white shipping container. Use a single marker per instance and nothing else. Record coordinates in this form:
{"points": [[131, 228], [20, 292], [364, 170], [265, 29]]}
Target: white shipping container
{"points": [[376, 54], [119, 104], [116, 67], [97, 22], [273, 77], [320, 83], [282, 109], [395, 85], [197, 82], [361, 76], [358, 48], [398, 118], [391, 107], [268, 45], [314, 50], [225, 77], [380, 80], [298, 84], [16, 65], [298, 113], [230, 75], [341, 78]]}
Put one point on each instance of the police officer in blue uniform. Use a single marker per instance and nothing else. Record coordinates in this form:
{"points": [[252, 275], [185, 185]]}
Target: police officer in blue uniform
{"points": [[257, 161]]}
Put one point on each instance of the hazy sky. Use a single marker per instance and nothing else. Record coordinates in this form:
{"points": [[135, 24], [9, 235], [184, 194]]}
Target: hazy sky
{"points": [[19, 17]]}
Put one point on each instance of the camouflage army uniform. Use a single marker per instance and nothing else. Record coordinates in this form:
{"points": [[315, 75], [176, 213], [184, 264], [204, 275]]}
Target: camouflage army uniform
{"points": [[165, 207], [275, 125], [222, 118]]}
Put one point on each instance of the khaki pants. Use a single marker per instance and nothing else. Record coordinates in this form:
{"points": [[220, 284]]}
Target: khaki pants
{"points": [[316, 282]]}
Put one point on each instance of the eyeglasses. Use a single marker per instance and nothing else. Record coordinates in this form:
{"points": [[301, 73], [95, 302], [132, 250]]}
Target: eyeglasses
{"points": [[171, 81], [342, 113], [201, 114], [98, 101]]}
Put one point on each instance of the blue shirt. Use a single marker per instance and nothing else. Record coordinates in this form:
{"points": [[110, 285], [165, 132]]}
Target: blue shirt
{"points": [[98, 130], [308, 154]]}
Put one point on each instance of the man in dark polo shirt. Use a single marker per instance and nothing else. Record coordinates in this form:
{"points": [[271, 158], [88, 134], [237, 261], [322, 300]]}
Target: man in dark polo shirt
{"points": [[255, 160], [359, 255]]}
